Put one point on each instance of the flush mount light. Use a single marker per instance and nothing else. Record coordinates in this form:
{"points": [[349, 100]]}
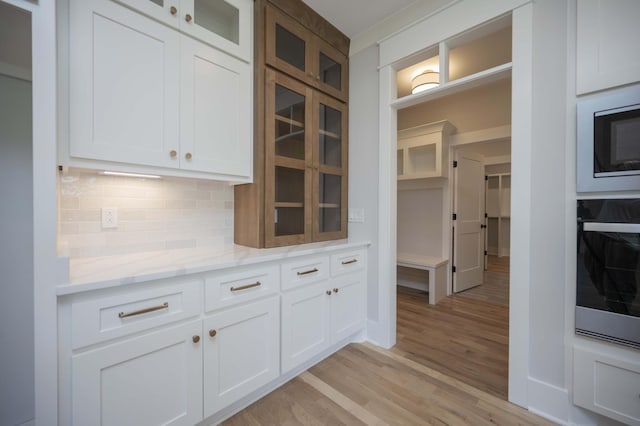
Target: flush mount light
{"points": [[427, 80], [135, 175]]}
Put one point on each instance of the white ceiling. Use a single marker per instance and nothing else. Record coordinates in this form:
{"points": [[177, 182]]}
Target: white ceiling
{"points": [[353, 17]]}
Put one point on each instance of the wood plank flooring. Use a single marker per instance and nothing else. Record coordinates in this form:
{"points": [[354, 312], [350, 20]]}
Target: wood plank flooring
{"points": [[449, 367], [495, 285]]}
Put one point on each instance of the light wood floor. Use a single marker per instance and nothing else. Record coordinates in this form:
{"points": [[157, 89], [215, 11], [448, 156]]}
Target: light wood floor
{"points": [[495, 286], [449, 367]]}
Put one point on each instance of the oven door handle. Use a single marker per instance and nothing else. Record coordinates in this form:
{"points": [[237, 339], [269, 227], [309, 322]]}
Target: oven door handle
{"points": [[621, 228]]}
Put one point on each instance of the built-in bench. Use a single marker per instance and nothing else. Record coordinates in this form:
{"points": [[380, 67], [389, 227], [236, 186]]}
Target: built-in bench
{"points": [[437, 268]]}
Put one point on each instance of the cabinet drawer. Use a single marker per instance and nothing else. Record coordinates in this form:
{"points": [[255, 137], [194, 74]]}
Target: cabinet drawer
{"points": [[607, 385], [228, 289], [103, 318], [304, 271], [344, 263]]}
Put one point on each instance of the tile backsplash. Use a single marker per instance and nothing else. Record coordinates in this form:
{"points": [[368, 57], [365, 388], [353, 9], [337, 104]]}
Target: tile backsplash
{"points": [[153, 214]]}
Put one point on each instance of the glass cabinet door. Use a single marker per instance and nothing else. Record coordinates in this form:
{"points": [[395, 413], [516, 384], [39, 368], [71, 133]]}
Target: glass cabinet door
{"points": [[330, 171], [225, 24], [331, 70], [288, 160], [289, 45]]}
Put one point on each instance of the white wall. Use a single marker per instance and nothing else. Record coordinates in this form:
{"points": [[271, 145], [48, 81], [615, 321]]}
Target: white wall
{"points": [[420, 222], [16, 260], [363, 161]]}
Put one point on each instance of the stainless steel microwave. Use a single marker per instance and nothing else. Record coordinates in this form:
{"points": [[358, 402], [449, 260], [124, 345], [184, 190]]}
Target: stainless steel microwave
{"points": [[608, 157]]}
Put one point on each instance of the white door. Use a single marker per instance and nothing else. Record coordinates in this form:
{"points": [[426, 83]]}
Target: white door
{"points": [[216, 114], [241, 352], [124, 86], [468, 243], [148, 380]]}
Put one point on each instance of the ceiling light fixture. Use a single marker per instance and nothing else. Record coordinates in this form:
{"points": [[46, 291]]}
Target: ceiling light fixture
{"points": [[427, 80], [135, 175]]}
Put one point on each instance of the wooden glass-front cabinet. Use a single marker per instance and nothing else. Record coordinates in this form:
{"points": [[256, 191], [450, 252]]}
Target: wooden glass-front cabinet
{"points": [[298, 52], [305, 170], [299, 194]]}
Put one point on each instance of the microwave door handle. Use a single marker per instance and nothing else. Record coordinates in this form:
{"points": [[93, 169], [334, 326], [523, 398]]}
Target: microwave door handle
{"points": [[621, 228]]}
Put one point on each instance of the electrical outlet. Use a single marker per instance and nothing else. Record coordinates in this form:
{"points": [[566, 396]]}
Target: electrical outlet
{"points": [[109, 217], [356, 215]]}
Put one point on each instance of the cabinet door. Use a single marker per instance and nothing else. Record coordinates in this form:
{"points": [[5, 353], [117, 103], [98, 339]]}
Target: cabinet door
{"points": [[148, 380], [305, 324], [241, 352], [288, 45], [330, 70], [288, 172], [347, 307], [225, 24], [216, 124], [330, 169], [124, 94]]}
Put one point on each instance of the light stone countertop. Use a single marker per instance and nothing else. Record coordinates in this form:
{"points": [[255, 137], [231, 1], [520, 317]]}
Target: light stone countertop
{"points": [[94, 273]]}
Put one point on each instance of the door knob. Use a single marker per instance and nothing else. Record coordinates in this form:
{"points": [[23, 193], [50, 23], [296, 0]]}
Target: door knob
{"points": [[328, 292], [173, 10], [173, 153], [188, 156], [335, 290], [212, 333], [195, 338], [188, 18]]}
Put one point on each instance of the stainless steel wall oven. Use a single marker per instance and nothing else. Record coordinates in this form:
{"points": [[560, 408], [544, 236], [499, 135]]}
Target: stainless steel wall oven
{"points": [[608, 270]]}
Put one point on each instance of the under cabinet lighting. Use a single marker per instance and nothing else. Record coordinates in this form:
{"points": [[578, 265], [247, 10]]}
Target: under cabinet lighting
{"points": [[135, 175]]}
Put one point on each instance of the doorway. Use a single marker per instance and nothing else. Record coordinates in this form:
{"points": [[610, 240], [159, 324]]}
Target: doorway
{"points": [[465, 335]]}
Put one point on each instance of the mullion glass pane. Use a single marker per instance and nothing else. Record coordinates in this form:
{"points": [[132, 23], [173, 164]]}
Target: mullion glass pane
{"points": [[219, 17], [330, 195], [330, 136], [290, 48], [330, 71], [289, 123]]}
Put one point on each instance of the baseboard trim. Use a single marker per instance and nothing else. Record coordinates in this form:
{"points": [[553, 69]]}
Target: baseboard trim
{"points": [[548, 401]]}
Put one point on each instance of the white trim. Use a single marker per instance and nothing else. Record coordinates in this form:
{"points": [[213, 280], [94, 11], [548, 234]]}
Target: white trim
{"points": [[43, 24], [387, 205], [548, 401], [521, 147], [452, 21], [392, 51], [484, 135]]}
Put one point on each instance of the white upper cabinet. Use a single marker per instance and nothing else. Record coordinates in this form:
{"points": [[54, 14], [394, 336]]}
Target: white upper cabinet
{"points": [[607, 54], [146, 98], [225, 24], [124, 92]]}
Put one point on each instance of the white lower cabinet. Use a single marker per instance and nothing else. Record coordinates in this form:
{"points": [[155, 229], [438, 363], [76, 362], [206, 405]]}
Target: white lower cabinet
{"points": [[241, 352], [180, 350], [315, 316], [607, 385], [148, 380]]}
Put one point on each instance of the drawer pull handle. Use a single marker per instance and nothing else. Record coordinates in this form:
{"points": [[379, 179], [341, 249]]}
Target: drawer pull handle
{"points": [[244, 287], [335, 290], [349, 262], [310, 271], [328, 292], [165, 305]]}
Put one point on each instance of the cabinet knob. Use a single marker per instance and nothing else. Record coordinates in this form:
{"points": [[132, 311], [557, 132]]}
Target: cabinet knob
{"points": [[173, 153], [335, 290], [173, 10], [188, 156], [328, 292], [188, 18], [212, 333], [195, 338]]}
